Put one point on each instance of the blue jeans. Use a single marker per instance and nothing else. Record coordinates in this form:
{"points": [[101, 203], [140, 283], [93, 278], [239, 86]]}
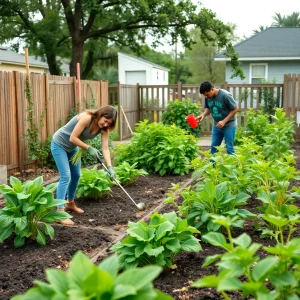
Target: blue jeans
{"points": [[69, 174], [217, 138]]}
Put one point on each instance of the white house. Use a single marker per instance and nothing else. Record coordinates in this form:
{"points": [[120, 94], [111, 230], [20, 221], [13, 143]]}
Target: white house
{"points": [[133, 70]]}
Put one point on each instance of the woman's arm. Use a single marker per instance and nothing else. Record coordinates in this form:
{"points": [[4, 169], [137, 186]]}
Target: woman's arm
{"points": [[105, 148], [84, 120]]}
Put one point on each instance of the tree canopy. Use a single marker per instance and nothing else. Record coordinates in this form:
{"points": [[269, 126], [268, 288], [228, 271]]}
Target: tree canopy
{"points": [[69, 29]]}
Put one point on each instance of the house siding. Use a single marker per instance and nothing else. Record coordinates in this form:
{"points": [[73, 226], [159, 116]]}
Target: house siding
{"points": [[154, 74], [276, 71]]}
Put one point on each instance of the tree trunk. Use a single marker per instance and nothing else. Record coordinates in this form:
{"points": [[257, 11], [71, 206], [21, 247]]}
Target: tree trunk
{"points": [[77, 56], [52, 63]]}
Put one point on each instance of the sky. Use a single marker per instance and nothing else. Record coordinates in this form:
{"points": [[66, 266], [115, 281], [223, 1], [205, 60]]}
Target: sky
{"points": [[249, 15]]}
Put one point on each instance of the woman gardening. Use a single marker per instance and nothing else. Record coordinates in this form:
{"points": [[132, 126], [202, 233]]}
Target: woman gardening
{"points": [[66, 142]]}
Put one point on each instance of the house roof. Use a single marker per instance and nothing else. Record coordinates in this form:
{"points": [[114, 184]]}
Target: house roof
{"points": [[10, 57], [274, 43], [145, 61]]}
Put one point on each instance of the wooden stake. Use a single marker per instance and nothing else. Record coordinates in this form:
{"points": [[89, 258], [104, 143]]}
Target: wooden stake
{"points": [[78, 86], [26, 62], [126, 119]]}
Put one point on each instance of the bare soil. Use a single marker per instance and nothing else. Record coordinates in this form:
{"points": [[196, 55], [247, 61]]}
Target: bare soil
{"points": [[103, 223]]}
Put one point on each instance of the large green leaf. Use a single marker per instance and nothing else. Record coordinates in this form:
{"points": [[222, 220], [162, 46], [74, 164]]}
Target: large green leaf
{"points": [[110, 265], [263, 267], [40, 238], [142, 234], [98, 282], [80, 267], [191, 244], [6, 232], [162, 229], [138, 278]]}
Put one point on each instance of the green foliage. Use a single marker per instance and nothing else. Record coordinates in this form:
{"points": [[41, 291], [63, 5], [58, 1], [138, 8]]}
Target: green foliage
{"points": [[38, 151], [49, 36], [214, 200], [84, 280], [256, 127], [176, 112], [275, 137], [157, 243], [93, 183], [240, 268], [158, 148], [127, 174], [26, 206]]}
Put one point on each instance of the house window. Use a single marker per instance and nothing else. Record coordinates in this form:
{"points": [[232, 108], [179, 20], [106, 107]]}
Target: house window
{"points": [[258, 73], [164, 74], [157, 75]]}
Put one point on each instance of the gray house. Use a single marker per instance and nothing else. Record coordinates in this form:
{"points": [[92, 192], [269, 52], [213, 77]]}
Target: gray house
{"points": [[267, 55]]}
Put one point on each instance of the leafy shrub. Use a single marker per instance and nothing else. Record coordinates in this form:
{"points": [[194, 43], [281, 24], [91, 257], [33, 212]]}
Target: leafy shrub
{"points": [[275, 276], [127, 173], [93, 183], [27, 204], [84, 280], [176, 112], [158, 148], [214, 200], [157, 243]]}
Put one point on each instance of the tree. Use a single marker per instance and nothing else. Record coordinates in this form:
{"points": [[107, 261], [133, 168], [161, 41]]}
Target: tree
{"points": [[59, 26], [292, 20], [260, 29]]}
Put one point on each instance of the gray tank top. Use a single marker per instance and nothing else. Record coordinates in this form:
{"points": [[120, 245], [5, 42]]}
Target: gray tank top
{"points": [[62, 136]]}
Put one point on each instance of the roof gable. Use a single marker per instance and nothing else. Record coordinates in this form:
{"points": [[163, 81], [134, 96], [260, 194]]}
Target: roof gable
{"points": [[10, 57], [143, 61], [273, 43]]}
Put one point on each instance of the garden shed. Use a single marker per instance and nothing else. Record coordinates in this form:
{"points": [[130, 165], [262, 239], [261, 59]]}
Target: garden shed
{"points": [[133, 70], [267, 56]]}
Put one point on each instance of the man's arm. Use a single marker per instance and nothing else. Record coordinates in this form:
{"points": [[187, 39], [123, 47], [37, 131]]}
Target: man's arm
{"points": [[222, 123], [203, 115]]}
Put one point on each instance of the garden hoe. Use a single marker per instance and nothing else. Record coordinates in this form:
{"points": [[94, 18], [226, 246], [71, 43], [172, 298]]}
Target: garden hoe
{"points": [[141, 205]]}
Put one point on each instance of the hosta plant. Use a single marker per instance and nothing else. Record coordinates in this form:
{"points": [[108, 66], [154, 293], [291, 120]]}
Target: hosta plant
{"points": [[84, 280], [29, 206], [157, 243], [200, 206], [127, 174], [93, 183]]}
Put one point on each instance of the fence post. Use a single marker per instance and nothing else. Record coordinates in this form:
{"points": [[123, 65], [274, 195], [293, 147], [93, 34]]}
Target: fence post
{"points": [[119, 111], [47, 98], [179, 90], [20, 120]]}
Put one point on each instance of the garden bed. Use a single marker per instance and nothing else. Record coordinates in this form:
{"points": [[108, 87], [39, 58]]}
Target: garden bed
{"points": [[103, 223]]}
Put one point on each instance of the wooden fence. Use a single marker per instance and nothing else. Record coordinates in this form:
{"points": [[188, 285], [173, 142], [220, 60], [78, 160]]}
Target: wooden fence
{"points": [[153, 100], [54, 98]]}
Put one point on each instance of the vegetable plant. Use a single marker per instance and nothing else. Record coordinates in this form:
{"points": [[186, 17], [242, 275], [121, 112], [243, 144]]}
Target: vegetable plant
{"points": [[176, 112], [29, 206], [273, 277], [158, 148], [158, 242], [93, 183], [202, 205], [127, 174], [84, 280]]}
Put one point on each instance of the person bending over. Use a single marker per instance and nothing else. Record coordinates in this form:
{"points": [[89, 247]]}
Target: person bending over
{"points": [[66, 142]]}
